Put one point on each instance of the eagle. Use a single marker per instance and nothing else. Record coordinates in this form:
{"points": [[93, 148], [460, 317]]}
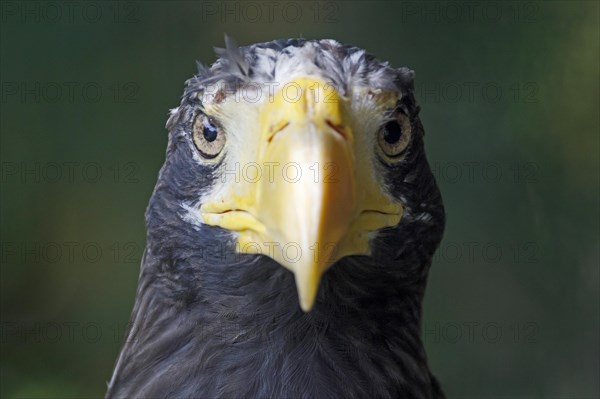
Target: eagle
{"points": [[289, 235]]}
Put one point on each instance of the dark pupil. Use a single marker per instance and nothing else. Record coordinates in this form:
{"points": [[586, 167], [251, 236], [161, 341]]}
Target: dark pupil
{"points": [[392, 132], [210, 132]]}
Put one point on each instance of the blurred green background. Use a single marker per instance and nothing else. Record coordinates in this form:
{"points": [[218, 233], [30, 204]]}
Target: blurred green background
{"points": [[510, 103]]}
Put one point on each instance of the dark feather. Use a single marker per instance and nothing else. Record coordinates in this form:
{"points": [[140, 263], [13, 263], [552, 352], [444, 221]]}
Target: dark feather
{"points": [[210, 323]]}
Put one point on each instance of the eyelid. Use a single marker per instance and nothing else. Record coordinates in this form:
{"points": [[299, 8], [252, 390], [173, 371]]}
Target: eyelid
{"points": [[199, 113], [389, 115], [393, 115]]}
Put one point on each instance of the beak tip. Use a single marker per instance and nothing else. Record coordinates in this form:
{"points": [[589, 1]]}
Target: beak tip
{"points": [[307, 287], [306, 305]]}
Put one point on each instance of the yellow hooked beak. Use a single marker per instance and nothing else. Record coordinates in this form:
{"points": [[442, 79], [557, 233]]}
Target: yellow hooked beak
{"points": [[312, 204]]}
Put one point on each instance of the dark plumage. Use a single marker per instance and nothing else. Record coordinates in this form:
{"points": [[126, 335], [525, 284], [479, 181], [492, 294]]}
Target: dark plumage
{"points": [[210, 323]]}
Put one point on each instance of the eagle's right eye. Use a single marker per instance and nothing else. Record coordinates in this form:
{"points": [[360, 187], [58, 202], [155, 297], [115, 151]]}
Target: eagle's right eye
{"points": [[208, 136]]}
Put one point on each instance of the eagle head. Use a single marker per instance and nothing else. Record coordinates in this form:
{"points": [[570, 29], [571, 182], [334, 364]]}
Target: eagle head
{"points": [[305, 152]]}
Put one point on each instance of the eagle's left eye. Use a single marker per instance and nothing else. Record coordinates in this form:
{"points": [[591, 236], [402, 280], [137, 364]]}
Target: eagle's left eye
{"points": [[394, 136], [208, 137]]}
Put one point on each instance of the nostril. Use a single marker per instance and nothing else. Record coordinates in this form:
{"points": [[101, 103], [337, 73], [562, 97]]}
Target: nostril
{"points": [[338, 128], [276, 129]]}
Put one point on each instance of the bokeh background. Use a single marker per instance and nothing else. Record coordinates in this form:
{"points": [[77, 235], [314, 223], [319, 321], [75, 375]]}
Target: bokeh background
{"points": [[510, 103]]}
